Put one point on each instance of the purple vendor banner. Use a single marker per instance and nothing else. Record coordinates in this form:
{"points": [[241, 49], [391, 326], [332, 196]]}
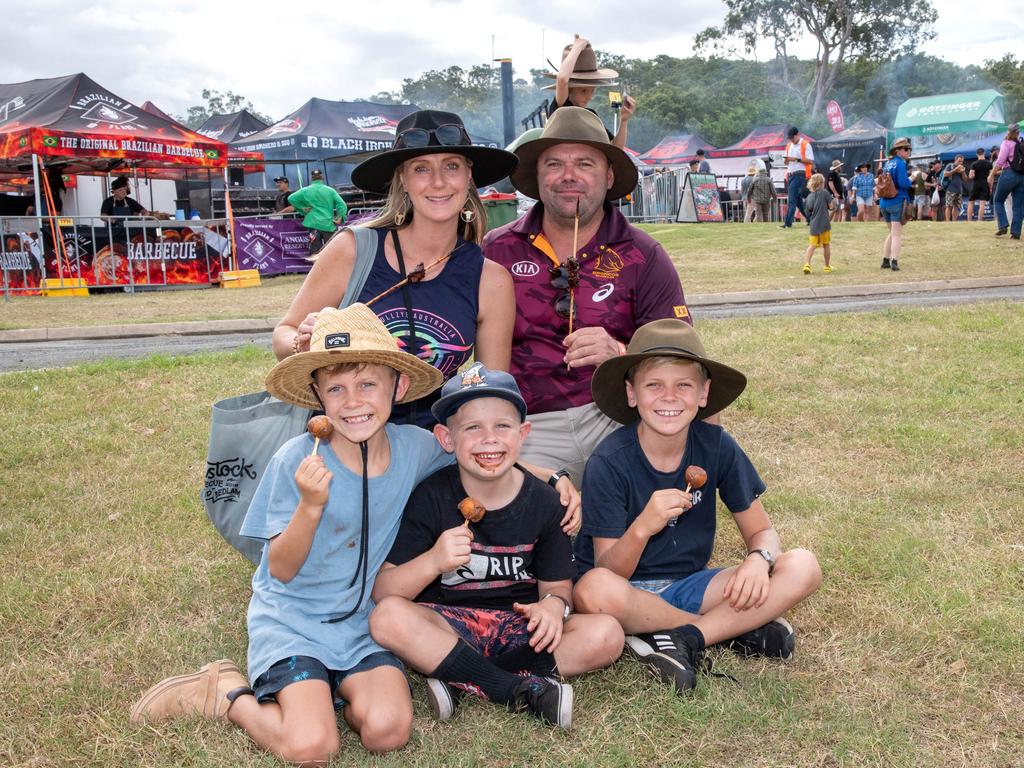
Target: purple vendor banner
{"points": [[273, 246]]}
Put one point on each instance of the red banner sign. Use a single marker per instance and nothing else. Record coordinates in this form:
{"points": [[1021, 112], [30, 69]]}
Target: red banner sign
{"points": [[834, 113]]}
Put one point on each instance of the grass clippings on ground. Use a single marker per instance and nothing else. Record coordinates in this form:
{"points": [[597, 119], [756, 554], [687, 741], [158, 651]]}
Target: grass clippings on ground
{"points": [[891, 445]]}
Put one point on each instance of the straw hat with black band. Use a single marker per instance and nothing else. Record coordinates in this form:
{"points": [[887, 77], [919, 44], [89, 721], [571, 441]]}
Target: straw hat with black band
{"points": [[573, 125], [662, 338], [350, 335], [375, 172]]}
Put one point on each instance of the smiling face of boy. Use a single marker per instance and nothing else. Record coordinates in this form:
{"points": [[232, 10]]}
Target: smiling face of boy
{"points": [[357, 398], [486, 435], [667, 394]]}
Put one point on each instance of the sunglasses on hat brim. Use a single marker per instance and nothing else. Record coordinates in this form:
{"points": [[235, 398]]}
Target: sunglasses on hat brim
{"points": [[447, 135]]}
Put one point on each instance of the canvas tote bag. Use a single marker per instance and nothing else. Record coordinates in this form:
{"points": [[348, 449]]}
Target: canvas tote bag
{"points": [[246, 431]]}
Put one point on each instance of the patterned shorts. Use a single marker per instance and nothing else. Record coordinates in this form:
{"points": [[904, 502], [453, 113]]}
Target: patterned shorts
{"points": [[492, 632]]}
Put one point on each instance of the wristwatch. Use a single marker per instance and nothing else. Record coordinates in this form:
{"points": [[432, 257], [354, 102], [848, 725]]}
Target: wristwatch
{"points": [[553, 480], [768, 557], [566, 610]]}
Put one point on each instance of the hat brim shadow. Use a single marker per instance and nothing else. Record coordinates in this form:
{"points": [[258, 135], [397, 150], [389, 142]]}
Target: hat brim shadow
{"points": [[489, 164]]}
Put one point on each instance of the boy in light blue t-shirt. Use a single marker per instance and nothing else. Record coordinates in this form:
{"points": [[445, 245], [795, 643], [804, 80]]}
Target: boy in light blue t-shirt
{"points": [[328, 517]]}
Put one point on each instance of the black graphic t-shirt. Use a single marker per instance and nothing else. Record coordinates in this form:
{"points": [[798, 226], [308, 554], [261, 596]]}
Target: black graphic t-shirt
{"points": [[513, 547]]}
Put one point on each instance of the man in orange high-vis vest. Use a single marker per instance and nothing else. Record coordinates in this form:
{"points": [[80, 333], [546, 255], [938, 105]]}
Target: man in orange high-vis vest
{"points": [[799, 166]]}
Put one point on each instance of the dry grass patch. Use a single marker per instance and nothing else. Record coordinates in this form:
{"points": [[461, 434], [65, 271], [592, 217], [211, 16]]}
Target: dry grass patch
{"points": [[891, 445]]}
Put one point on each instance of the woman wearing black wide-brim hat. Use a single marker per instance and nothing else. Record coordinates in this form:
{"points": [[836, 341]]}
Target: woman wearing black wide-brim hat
{"points": [[464, 304]]}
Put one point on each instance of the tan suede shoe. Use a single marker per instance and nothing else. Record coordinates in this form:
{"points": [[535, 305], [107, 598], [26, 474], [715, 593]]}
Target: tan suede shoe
{"points": [[200, 693]]}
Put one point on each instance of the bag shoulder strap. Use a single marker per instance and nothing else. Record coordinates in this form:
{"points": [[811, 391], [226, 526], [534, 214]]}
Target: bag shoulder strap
{"points": [[366, 252]]}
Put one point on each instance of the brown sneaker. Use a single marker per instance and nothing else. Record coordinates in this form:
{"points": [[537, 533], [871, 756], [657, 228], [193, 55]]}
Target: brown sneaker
{"points": [[200, 693]]}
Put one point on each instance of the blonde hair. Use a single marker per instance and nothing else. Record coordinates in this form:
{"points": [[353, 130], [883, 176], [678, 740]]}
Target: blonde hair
{"points": [[398, 205], [817, 181]]}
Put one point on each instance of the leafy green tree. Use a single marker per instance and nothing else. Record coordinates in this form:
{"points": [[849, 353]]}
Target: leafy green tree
{"points": [[218, 103], [1007, 75], [844, 30]]}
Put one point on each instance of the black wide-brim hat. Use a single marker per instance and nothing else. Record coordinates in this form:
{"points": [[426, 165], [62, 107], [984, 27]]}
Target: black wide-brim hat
{"points": [[662, 338], [490, 164]]}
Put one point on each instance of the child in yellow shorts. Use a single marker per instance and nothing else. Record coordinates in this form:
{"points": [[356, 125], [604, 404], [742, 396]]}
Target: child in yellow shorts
{"points": [[818, 205]]}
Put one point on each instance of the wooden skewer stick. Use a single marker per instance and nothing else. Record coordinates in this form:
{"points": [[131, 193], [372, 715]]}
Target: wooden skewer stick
{"points": [[572, 292], [413, 277]]}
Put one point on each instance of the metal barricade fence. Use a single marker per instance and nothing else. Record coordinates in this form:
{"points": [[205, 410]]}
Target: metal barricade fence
{"points": [[128, 253], [656, 198]]}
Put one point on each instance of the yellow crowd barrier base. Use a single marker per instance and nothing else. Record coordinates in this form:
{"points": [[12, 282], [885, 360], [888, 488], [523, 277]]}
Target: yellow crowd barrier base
{"points": [[240, 278], [68, 286]]}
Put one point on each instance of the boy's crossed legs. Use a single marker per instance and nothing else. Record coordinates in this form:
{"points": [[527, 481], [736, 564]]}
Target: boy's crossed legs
{"points": [[488, 652], [676, 638]]}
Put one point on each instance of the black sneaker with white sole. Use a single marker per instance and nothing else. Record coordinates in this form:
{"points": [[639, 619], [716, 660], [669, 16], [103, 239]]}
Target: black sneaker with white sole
{"points": [[672, 657], [547, 700], [443, 698], [776, 640]]}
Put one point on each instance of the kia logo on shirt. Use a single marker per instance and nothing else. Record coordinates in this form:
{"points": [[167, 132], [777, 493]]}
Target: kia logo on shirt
{"points": [[525, 269]]}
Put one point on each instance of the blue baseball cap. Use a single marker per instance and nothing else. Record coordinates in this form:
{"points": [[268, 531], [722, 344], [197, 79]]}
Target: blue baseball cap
{"points": [[477, 381]]}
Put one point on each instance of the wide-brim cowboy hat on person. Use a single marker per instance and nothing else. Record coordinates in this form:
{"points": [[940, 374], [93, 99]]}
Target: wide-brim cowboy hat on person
{"points": [[836, 164], [431, 132], [573, 125], [901, 143], [662, 338], [586, 71], [350, 335]]}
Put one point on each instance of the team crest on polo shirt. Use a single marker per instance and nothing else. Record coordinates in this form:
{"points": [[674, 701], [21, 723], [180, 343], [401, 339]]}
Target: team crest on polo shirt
{"points": [[608, 265]]}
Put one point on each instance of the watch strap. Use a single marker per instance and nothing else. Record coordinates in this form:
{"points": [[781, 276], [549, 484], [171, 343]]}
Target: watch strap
{"points": [[556, 476]]}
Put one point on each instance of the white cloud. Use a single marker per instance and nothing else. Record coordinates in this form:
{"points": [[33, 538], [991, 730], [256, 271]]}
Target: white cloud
{"points": [[279, 54]]}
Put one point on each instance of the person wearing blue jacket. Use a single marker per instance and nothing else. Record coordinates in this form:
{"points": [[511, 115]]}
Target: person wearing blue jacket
{"points": [[892, 207]]}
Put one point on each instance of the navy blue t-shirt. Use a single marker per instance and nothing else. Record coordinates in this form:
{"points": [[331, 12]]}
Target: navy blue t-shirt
{"points": [[618, 483]]}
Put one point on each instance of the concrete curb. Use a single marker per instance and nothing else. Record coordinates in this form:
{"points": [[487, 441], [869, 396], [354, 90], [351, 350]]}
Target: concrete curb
{"points": [[703, 301]]}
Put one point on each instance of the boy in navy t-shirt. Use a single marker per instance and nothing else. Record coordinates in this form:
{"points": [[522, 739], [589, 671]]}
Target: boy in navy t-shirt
{"points": [[486, 606], [648, 529]]}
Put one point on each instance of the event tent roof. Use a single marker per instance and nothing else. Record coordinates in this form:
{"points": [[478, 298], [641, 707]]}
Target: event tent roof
{"points": [[321, 129], [864, 131], [760, 141], [153, 109], [951, 113], [676, 149], [232, 127], [75, 120], [970, 147]]}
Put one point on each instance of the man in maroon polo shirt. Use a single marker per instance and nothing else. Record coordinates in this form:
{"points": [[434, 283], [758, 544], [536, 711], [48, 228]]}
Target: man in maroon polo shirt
{"points": [[617, 279]]}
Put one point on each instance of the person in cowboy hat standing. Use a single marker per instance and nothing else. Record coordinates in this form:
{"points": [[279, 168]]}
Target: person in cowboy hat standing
{"points": [[892, 207], [574, 310], [577, 79]]}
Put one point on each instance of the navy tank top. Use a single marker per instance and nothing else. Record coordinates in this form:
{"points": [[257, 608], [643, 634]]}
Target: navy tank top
{"points": [[444, 311]]}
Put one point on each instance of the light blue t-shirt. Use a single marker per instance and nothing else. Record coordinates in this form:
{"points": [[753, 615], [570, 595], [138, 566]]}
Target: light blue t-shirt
{"points": [[287, 619]]}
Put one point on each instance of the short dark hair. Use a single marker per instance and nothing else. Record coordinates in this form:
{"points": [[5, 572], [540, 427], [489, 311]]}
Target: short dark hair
{"points": [[119, 183], [793, 131], [700, 151]]}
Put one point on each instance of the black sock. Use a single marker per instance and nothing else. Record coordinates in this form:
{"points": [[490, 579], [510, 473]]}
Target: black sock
{"points": [[465, 665], [692, 631], [525, 658]]}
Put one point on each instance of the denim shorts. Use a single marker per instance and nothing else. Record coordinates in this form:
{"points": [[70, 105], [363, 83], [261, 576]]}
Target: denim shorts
{"points": [[894, 215], [296, 669], [864, 202], [685, 594]]}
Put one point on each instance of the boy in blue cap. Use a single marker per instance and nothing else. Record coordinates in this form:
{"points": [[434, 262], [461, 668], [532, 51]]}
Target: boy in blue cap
{"points": [[486, 606]]}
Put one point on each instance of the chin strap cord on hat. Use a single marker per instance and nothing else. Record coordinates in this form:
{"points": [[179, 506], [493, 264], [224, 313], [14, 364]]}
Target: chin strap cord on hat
{"points": [[364, 542]]}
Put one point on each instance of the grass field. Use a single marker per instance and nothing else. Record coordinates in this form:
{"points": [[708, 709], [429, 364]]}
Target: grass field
{"points": [[710, 258], [891, 444]]}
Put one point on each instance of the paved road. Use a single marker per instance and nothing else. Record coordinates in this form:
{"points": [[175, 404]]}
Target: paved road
{"points": [[52, 354]]}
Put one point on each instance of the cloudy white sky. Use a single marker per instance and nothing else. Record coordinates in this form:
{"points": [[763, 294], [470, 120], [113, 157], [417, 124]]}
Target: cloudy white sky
{"points": [[279, 54]]}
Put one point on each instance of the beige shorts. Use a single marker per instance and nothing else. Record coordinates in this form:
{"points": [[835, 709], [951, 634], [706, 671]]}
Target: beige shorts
{"points": [[565, 439]]}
